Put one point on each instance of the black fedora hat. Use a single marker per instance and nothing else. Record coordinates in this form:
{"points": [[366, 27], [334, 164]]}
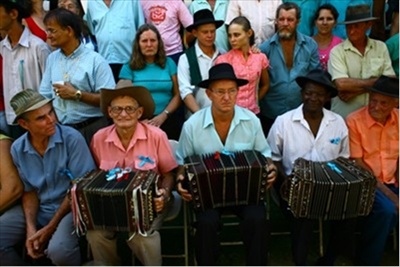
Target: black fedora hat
{"points": [[320, 77], [223, 71], [204, 16], [21, 5], [359, 13], [386, 86]]}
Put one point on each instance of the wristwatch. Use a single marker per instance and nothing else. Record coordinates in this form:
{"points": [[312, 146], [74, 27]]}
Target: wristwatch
{"points": [[78, 95]]}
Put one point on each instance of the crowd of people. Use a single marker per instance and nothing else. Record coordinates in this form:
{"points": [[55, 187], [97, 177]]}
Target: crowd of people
{"points": [[101, 84]]}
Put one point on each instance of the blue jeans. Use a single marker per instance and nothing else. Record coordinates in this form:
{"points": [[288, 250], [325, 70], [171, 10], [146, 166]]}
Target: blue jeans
{"points": [[63, 247], [376, 229]]}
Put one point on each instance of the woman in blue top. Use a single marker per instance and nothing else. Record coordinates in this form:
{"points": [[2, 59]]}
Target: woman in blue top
{"points": [[151, 68]]}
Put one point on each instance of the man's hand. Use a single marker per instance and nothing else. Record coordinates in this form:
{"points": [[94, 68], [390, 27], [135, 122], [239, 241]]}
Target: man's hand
{"points": [[37, 242], [272, 174], [160, 202], [66, 91], [183, 192]]}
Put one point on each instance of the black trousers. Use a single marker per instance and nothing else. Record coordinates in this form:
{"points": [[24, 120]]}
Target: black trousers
{"points": [[253, 228]]}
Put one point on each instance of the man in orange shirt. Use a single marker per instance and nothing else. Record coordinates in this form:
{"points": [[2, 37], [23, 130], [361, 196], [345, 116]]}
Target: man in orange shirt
{"points": [[374, 144]]}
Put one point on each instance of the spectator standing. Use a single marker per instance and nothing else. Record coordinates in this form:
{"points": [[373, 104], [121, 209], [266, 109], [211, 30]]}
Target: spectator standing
{"points": [[325, 21], [114, 24], [260, 13], [392, 45], [75, 75], [151, 68], [247, 64], [193, 66], [35, 21], [357, 62], [308, 10], [291, 54], [218, 8], [168, 16], [75, 7], [24, 56]]}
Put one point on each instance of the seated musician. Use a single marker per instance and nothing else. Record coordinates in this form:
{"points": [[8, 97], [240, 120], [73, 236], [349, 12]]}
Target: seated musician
{"points": [[374, 144], [137, 145], [46, 157], [313, 133], [224, 126]]}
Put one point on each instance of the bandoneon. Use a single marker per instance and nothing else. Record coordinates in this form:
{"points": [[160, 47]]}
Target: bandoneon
{"points": [[124, 204], [219, 180], [332, 190]]}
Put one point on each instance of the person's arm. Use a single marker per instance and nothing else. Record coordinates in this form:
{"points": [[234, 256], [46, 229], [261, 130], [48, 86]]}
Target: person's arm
{"points": [[172, 106], [348, 88], [11, 187], [264, 84], [379, 185], [180, 177], [166, 184], [39, 239], [185, 86], [68, 92], [30, 206]]}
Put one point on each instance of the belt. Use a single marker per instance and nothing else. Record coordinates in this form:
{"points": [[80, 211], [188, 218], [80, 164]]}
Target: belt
{"points": [[85, 123]]}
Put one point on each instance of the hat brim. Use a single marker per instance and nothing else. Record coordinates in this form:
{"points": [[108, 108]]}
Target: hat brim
{"points": [[139, 93], [218, 23], [358, 20], [301, 81], [35, 106], [372, 89], [206, 83]]}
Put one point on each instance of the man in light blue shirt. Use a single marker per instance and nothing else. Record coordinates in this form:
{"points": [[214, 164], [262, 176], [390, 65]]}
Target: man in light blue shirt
{"points": [[47, 157], [74, 75], [114, 23], [223, 126], [291, 54]]}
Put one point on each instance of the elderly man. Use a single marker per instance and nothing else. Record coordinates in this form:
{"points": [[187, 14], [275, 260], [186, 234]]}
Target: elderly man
{"points": [[357, 62], [316, 127], [47, 157], [291, 54], [193, 66], [374, 144], [122, 145], [223, 126], [74, 75]]}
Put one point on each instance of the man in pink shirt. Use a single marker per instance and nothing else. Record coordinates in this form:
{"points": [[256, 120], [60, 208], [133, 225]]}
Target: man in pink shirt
{"points": [[131, 143], [374, 144], [168, 16]]}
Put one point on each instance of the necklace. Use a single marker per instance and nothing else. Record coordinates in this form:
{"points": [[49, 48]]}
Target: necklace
{"points": [[69, 67]]}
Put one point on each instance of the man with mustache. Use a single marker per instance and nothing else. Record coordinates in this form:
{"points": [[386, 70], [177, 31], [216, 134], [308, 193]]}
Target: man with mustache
{"points": [[291, 54]]}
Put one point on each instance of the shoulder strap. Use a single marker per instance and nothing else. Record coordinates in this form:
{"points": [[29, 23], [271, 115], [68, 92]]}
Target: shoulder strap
{"points": [[195, 74]]}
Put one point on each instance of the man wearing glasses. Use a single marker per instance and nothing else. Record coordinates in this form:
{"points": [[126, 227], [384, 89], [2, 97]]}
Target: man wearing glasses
{"points": [[223, 126], [74, 75], [129, 143]]}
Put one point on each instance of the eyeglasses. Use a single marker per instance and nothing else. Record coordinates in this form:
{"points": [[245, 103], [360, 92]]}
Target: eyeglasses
{"points": [[51, 31], [129, 110], [221, 93]]}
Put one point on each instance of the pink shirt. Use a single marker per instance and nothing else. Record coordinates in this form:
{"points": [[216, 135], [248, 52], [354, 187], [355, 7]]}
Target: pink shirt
{"points": [[376, 144], [249, 70], [168, 16], [324, 53], [147, 141]]}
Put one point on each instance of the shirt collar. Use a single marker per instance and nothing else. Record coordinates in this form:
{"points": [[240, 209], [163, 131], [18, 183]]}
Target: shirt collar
{"points": [[78, 51], [239, 115], [299, 116], [23, 40], [55, 138], [300, 38], [200, 53], [347, 45], [139, 134], [371, 122]]}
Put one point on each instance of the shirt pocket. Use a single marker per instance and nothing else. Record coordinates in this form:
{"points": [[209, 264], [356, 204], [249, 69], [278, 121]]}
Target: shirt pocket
{"points": [[375, 67], [145, 165]]}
